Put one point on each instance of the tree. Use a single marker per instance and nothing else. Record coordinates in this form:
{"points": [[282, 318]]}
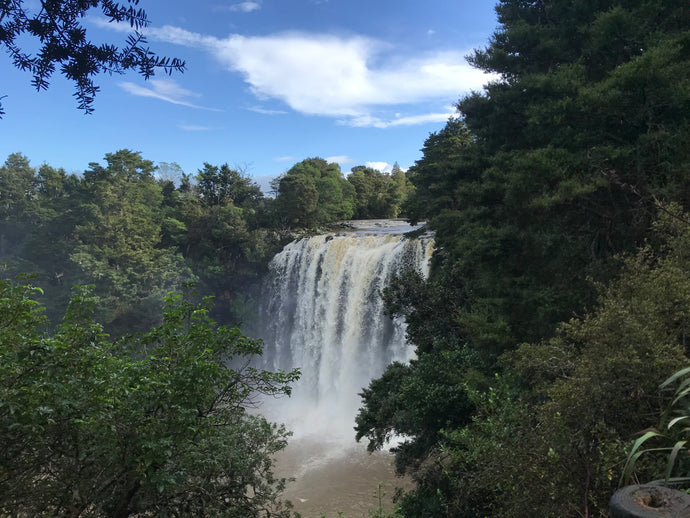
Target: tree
{"points": [[551, 433], [446, 163], [554, 169], [399, 190], [313, 192], [16, 195], [132, 232], [372, 190], [116, 243], [216, 224], [61, 40], [396, 404], [155, 423], [595, 385], [220, 186], [297, 200]]}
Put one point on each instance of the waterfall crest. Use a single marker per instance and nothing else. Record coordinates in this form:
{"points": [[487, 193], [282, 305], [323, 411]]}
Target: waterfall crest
{"points": [[324, 314]]}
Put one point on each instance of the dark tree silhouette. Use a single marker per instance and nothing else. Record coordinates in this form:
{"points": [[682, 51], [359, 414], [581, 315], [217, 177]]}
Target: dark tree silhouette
{"points": [[62, 43]]}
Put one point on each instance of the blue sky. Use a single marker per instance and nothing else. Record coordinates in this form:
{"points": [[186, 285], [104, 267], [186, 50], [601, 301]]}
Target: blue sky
{"points": [[268, 83]]}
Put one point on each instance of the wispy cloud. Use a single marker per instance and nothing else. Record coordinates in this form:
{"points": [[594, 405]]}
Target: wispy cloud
{"points": [[284, 159], [246, 7], [165, 90], [194, 127], [241, 7], [346, 77], [264, 111]]}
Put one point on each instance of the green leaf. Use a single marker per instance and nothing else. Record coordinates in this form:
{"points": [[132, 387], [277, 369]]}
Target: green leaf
{"points": [[672, 457], [635, 454], [675, 376]]}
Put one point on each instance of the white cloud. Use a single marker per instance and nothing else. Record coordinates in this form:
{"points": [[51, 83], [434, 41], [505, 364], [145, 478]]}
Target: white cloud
{"points": [[379, 166], [166, 33], [284, 159], [325, 75], [347, 77], [165, 90], [319, 75], [412, 120], [339, 159]]}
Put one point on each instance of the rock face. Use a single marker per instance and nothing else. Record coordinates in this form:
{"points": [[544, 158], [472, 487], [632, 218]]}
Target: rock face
{"points": [[649, 501]]}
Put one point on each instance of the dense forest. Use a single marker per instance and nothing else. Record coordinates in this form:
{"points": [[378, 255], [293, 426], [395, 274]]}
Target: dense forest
{"points": [[557, 305], [136, 231], [558, 301]]}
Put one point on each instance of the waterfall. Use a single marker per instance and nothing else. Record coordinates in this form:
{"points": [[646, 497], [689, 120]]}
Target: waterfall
{"points": [[324, 314]]}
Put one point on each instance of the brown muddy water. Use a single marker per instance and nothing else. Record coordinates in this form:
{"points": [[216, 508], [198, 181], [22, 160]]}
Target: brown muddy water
{"points": [[330, 478]]}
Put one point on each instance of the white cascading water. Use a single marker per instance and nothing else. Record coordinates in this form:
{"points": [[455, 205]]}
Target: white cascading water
{"points": [[324, 314]]}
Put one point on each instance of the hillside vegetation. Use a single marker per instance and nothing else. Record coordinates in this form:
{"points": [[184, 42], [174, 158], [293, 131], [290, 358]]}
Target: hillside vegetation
{"points": [[558, 300], [136, 231]]}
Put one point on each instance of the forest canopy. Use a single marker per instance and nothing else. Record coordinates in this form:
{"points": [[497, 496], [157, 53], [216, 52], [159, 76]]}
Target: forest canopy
{"points": [[137, 231]]}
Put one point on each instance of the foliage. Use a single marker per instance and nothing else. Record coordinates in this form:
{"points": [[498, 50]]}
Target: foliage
{"points": [[555, 167], [16, 187], [134, 234], [675, 422], [135, 231], [427, 306], [437, 175], [380, 511], [396, 405], [313, 192], [58, 37], [551, 434], [34, 203], [463, 477], [553, 173], [297, 200], [378, 195], [599, 378], [118, 239], [155, 423], [221, 186], [220, 226], [399, 189], [670, 433]]}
